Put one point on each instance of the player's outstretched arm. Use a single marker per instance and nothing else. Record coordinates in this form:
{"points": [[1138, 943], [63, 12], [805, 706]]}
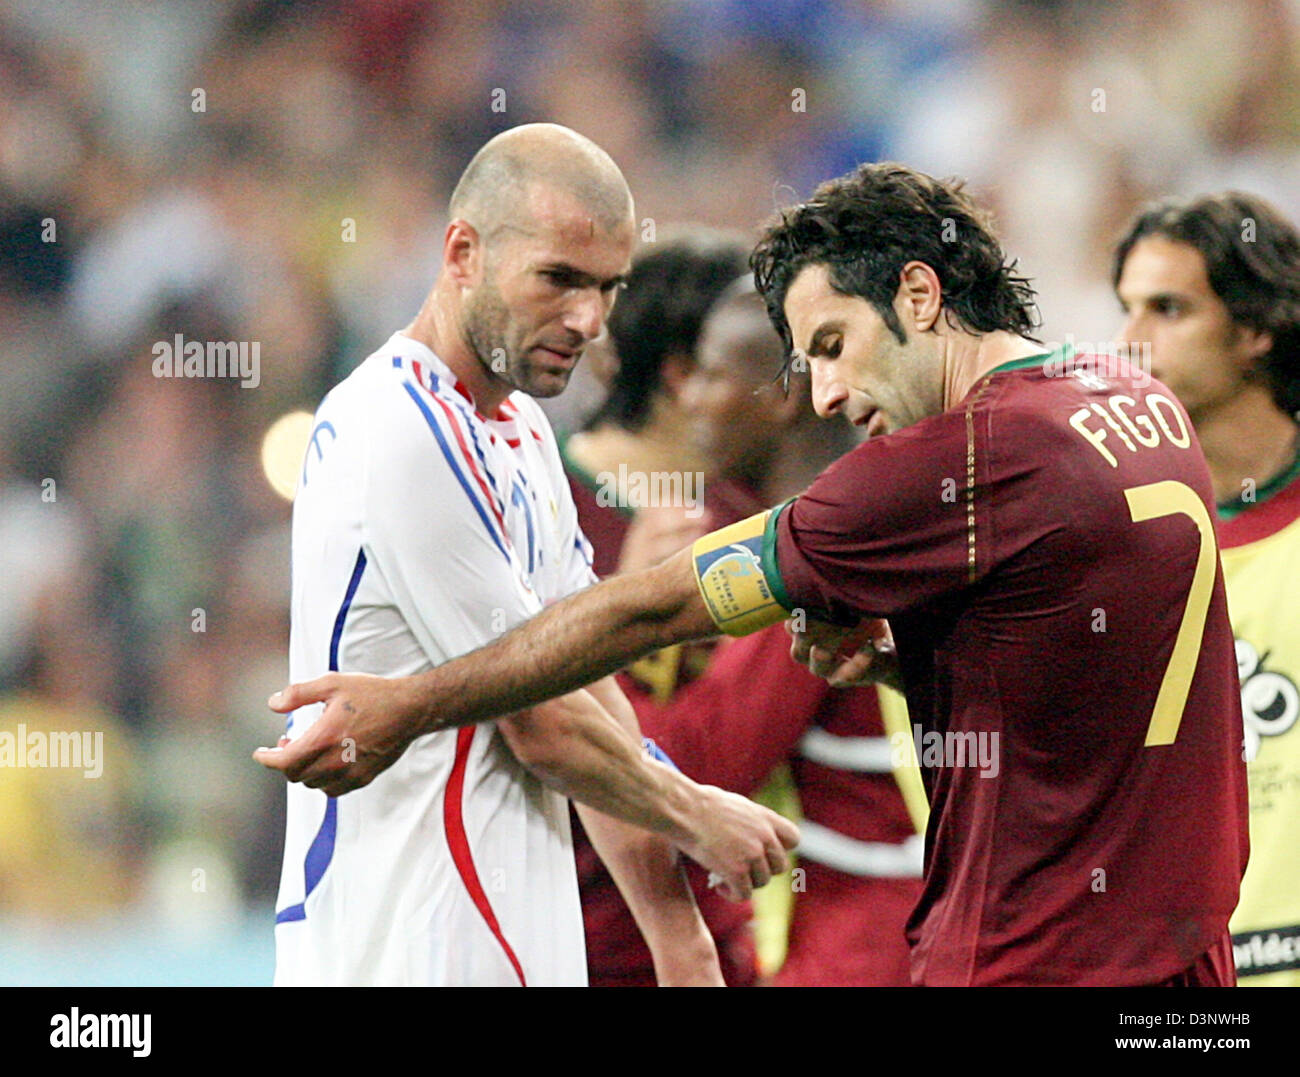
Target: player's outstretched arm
{"points": [[568, 645], [368, 722]]}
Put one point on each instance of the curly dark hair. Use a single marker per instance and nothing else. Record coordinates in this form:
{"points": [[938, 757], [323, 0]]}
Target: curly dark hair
{"points": [[866, 225], [1252, 260]]}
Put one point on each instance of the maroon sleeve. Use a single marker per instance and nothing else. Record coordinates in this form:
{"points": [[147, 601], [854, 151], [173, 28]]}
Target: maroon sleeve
{"points": [[884, 529]]}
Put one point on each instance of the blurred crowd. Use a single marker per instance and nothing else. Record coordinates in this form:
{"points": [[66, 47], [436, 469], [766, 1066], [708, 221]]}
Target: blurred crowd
{"points": [[277, 172]]}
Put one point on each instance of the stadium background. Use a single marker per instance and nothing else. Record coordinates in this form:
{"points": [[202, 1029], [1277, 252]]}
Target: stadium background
{"points": [[229, 223]]}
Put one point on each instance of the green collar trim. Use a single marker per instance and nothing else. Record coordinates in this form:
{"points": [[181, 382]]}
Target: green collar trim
{"points": [[1028, 361], [1229, 510]]}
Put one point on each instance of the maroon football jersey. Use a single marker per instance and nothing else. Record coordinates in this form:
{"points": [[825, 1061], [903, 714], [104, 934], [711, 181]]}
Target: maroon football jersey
{"points": [[846, 929], [1045, 555], [617, 955]]}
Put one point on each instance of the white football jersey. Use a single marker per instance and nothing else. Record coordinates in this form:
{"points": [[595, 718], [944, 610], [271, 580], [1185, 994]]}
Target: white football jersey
{"points": [[422, 530]]}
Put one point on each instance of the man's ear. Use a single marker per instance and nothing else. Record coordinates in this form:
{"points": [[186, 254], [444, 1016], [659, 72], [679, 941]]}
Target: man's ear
{"points": [[673, 374], [462, 253], [1253, 344], [920, 295]]}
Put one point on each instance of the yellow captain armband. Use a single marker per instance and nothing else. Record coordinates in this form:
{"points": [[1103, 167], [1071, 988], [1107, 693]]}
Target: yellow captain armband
{"points": [[738, 578]]}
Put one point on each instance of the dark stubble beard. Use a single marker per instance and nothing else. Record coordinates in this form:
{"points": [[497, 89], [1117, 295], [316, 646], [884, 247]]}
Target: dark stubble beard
{"points": [[486, 327]]}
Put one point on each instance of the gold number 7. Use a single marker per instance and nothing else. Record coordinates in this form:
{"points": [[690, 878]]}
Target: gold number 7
{"points": [[1151, 502]]}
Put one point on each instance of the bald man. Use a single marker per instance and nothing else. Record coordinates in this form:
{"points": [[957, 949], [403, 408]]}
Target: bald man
{"points": [[432, 515]]}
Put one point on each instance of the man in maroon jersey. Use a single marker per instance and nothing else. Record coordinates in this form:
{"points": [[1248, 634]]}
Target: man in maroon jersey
{"points": [[1038, 530], [745, 710], [860, 855]]}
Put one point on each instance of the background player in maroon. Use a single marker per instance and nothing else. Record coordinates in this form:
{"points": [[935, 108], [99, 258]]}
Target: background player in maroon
{"points": [[1040, 536], [643, 428], [749, 712]]}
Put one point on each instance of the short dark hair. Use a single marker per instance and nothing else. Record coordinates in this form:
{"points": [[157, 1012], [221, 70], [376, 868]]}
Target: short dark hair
{"points": [[669, 291], [1252, 260], [866, 225]]}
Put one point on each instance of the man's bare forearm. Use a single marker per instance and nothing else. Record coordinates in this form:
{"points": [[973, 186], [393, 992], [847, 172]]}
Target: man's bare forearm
{"points": [[573, 744], [649, 876], [587, 745], [648, 872], [576, 747], [568, 645]]}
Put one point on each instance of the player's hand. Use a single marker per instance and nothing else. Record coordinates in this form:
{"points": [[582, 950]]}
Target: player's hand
{"points": [[847, 657], [741, 844], [367, 724], [657, 533]]}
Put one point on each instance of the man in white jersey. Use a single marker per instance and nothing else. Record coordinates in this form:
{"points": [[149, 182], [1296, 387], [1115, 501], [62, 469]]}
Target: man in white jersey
{"points": [[432, 515]]}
